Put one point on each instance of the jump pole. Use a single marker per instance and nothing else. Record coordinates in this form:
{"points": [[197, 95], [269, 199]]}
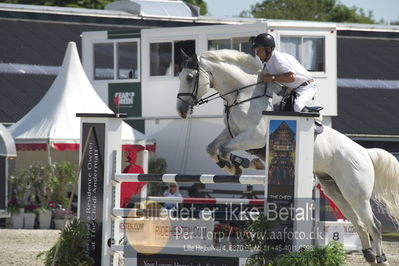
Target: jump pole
{"points": [[289, 175]]}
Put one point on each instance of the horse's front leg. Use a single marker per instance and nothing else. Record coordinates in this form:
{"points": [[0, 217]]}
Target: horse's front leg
{"points": [[247, 140], [213, 152]]}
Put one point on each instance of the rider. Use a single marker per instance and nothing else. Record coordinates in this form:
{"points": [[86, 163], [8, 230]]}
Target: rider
{"points": [[284, 69]]}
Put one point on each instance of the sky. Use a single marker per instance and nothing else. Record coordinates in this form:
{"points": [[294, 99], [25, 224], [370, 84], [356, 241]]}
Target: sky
{"points": [[382, 9]]}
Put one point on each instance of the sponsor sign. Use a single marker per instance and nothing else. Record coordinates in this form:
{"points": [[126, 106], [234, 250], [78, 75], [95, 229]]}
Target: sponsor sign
{"points": [[126, 98], [92, 187]]}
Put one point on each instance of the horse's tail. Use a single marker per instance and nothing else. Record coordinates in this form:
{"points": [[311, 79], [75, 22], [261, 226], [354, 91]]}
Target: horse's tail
{"points": [[386, 185]]}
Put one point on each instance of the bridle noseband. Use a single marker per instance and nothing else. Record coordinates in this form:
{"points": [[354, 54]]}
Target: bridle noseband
{"points": [[192, 94]]}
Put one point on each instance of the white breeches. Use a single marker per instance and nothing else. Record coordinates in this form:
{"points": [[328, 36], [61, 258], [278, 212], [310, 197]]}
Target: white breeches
{"points": [[304, 96]]}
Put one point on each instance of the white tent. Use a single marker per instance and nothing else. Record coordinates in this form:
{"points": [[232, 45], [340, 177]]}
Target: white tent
{"points": [[53, 122]]}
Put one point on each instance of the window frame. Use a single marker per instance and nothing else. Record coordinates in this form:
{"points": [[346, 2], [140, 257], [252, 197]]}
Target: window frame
{"points": [[316, 74], [173, 41], [230, 38], [115, 61]]}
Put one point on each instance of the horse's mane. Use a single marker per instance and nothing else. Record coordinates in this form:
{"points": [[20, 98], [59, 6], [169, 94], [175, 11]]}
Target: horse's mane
{"points": [[245, 61]]}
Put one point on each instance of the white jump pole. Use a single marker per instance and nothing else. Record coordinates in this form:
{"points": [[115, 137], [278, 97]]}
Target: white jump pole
{"points": [[289, 174]]}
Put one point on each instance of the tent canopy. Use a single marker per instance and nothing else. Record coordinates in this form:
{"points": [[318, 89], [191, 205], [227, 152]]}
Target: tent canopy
{"points": [[53, 120], [7, 144]]}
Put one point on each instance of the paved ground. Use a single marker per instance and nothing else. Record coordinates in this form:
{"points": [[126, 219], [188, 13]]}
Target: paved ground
{"points": [[20, 247]]}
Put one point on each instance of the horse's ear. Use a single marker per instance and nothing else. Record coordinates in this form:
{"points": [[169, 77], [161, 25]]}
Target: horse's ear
{"points": [[195, 59], [184, 56]]}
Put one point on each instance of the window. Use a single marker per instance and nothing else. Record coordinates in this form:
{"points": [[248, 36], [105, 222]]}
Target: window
{"points": [[160, 59], [219, 44], [307, 50], [239, 43], [124, 67], [166, 59], [243, 45], [103, 61], [127, 60]]}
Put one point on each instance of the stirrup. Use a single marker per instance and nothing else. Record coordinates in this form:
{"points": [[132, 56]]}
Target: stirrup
{"points": [[313, 109]]}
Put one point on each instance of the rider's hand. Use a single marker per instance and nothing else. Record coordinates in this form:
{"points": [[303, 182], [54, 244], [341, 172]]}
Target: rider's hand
{"points": [[267, 78]]}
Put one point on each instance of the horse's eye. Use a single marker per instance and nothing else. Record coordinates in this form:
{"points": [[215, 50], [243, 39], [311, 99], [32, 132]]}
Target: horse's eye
{"points": [[190, 77]]}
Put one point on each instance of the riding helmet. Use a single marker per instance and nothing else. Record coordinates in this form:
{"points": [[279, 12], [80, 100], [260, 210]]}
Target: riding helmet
{"points": [[263, 39]]}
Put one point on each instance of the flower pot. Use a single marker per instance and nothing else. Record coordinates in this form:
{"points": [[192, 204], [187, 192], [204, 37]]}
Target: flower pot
{"points": [[18, 219], [29, 220], [59, 223], [45, 219]]}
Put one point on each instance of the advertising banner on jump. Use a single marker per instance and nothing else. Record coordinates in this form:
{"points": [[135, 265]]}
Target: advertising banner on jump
{"points": [[92, 187], [281, 182]]}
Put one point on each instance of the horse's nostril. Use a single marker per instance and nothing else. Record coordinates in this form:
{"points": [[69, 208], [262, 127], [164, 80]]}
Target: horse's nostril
{"points": [[182, 109]]}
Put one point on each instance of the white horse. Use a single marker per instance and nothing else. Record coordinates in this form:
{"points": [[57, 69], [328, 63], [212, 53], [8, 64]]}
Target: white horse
{"points": [[349, 174]]}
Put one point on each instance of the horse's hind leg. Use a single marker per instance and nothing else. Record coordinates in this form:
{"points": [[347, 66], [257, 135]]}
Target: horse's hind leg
{"points": [[354, 175], [331, 189], [364, 210]]}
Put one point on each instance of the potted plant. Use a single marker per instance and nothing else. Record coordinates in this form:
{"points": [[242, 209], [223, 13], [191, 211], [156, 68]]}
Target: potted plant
{"points": [[16, 206], [60, 182], [45, 215], [59, 215], [16, 209], [38, 180], [30, 216], [38, 185]]}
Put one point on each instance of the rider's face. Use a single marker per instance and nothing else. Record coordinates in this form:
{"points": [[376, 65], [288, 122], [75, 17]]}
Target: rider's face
{"points": [[261, 53]]}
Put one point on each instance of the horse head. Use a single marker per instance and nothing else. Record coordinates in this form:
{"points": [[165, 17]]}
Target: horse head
{"points": [[193, 85]]}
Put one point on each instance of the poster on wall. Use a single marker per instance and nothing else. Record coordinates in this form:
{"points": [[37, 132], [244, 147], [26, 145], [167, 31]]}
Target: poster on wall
{"points": [[281, 181], [126, 98]]}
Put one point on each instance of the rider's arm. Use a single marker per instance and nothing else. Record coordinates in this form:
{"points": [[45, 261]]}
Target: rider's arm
{"points": [[283, 78]]}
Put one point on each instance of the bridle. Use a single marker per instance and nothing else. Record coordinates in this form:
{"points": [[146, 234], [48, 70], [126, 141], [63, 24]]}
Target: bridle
{"points": [[192, 94], [216, 95]]}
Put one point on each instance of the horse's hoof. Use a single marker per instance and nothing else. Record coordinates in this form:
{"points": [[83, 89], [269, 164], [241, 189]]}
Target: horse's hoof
{"points": [[369, 254], [238, 171], [239, 161], [258, 164], [382, 260], [221, 163]]}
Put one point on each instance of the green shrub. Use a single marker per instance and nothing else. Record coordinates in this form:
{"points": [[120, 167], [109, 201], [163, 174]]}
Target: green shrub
{"points": [[256, 240], [156, 166], [331, 255], [74, 249]]}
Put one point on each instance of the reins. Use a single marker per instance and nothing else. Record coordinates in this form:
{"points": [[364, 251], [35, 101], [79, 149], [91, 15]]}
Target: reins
{"points": [[209, 98]]}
